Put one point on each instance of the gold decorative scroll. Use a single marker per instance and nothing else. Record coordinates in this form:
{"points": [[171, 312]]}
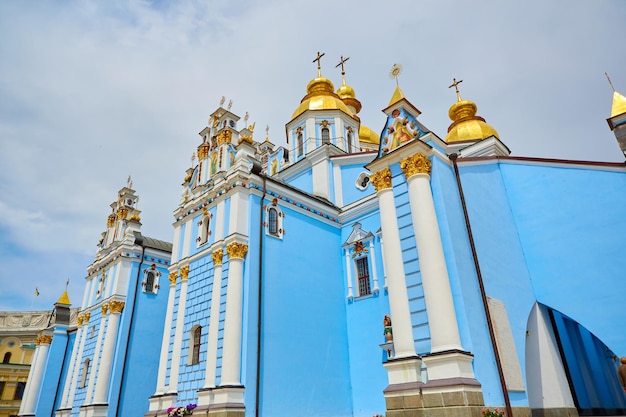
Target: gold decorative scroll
{"points": [[236, 250], [416, 164], [172, 277], [217, 257], [381, 179], [116, 306], [184, 272]]}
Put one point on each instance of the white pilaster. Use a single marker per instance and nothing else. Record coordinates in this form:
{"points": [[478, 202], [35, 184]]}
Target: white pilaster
{"points": [[73, 380], [375, 289], [338, 185], [95, 365], [175, 244], [187, 238], [238, 221], [404, 345], [219, 224], [349, 273], [178, 333], [106, 361], [29, 402], [321, 180], [167, 329]]}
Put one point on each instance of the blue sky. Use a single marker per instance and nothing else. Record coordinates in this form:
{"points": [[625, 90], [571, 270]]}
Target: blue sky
{"points": [[91, 92]]}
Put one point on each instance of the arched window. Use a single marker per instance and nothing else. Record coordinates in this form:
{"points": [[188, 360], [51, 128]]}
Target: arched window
{"points": [[363, 275], [195, 354], [349, 136], [325, 135], [151, 279], [7, 357], [204, 228], [299, 145], [272, 218], [83, 376], [19, 390]]}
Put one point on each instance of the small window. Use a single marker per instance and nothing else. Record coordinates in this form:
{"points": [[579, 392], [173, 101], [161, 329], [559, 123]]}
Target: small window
{"points": [[7, 358], [204, 228], [2, 385], [19, 390], [325, 135], [151, 279], [272, 218], [83, 376], [299, 145], [274, 224], [349, 136], [195, 354], [363, 275]]}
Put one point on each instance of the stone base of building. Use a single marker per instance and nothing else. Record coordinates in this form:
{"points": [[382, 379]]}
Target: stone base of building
{"points": [[223, 401], [160, 403], [455, 397], [555, 412], [63, 412], [94, 410]]}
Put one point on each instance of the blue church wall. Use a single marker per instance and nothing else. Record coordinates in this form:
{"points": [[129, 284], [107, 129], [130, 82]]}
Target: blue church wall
{"points": [[502, 262], [364, 316], [304, 321], [350, 193], [574, 249], [133, 380], [56, 369], [303, 180]]}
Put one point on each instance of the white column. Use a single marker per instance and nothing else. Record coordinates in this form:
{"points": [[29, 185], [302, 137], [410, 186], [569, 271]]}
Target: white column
{"points": [[72, 380], [95, 365], [34, 380], [349, 273], [375, 290], [106, 361], [214, 319], [444, 330], [26, 394], [72, 368], [231, 357], [178, 333], [167, 329], [382, 248], [404, 345]]}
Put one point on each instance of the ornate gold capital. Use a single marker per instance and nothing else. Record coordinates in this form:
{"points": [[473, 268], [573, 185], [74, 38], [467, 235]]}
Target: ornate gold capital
{"points": [[105, 309], [43, 340], [416, 164], [381, 179], [225, 136], [172, 277], [79, 321], [236, 250], [184, 272], [111, 220], [116, 306], [217, 257], [203, 151], [122, 212], [86, 317]]}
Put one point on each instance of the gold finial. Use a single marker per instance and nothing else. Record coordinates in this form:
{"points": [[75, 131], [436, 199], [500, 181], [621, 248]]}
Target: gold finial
{"points": [[455, 84], [343, 71], [610, 83], [267, 132], [319, 63], [230, 104], [396, 70], [222, 100], [245, 119]]}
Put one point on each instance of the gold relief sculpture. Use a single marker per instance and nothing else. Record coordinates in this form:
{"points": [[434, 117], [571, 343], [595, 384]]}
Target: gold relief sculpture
{"points": [[217, 257], [43, 340], [225, 136], [111, 220], [416, 164], [86, 317], [79, 321], [381, 179], [105, 309], [247, 138], [135, 217], [236, 250], [122, 212], [184, 272], [116, 306], [203, 151], [172, 277]]}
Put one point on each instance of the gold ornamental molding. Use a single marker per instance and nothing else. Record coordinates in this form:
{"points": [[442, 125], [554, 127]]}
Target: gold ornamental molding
{"points": [[217, 256], [122, 212], [105, 309], [79, 321], [381, 179], [86, 317], [172, 277], [225, 136], [116, 306], [184, 273], [43, 340], [236, 250], [111, 220], [203, 151], [416, 164]]}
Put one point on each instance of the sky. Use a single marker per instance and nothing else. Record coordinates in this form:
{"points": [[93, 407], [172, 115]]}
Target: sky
{"points": [[94, 91]]}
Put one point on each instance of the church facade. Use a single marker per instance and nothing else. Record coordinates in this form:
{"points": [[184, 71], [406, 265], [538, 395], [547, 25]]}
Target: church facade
{"points": [[356, 274]]}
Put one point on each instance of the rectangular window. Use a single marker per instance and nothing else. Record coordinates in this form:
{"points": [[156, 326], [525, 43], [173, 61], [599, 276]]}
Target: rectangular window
{"points": [[19, 390], [2, 384], [363, 275]]}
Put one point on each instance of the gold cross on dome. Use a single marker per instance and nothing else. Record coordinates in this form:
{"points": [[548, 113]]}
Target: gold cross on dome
{"points": [[455, 84], [341, 62], [319, 63]]}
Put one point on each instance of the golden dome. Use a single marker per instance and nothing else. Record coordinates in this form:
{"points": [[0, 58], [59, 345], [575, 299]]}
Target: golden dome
{"points": [[345, 91], [466, 125], [320, 95], [367, 135]]}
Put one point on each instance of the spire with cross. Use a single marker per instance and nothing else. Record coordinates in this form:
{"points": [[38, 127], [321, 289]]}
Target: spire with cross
{"points": [[341, 63], [319, 63], [455, 84]]}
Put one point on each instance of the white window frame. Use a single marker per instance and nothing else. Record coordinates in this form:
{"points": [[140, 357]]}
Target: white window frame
{"points": [[155, 282], [280, 215]]}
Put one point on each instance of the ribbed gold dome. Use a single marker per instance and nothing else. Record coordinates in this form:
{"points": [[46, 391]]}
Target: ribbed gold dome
{"points": [[345, 91], [320, 95], [367, 135], [466, 125]]}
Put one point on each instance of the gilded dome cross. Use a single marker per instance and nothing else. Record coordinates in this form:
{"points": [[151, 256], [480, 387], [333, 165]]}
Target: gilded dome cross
{"points": [[455, 84], [319, 63]]}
